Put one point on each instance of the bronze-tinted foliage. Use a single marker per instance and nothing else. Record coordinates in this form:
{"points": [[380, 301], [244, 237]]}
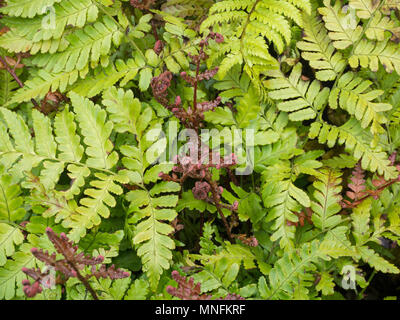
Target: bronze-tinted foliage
{"points": [[68, 267], [142, 4], [188, 290]]}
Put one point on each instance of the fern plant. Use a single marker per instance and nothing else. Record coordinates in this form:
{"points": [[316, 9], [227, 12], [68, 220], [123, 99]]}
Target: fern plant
{"points": [[249, 23], [210, 150]]}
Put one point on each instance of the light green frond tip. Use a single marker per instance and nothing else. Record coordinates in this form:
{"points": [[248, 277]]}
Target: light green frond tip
{"points": [[96, 131], [326, 207]]}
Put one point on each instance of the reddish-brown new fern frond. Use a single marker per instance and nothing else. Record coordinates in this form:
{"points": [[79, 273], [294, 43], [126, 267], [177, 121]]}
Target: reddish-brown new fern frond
{"points": [[359, 191], [303, 216], [142, 4], [205, 184], [70, 266], [193, 116], [249, 241], [357, 186], [188, 290]]}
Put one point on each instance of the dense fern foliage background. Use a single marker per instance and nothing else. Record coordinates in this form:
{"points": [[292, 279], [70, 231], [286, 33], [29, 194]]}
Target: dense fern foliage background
{"points": [[87, 87]]}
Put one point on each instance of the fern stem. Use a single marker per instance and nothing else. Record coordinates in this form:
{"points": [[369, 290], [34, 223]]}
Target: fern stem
{"points": [[214, 188], [360, 295], [329, 229], [195, 86], [84, 281], [247, 21], [12, 224], [13, 74], [245, 27]]}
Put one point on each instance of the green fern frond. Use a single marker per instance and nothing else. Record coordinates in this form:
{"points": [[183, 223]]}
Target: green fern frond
{"points": [[69, 13], [20, 155], [230, 254], [343, 28], [233, 84], [8, 87], [44, 82], [284, 199], [46, 146], [353, 95], [96, 131], [327, 194], [379, 25], [68, 141], [90, 44], [364, 9], [341, 161], [319, 51], [104, 78], [43, 33], [10, 200], [268, 18], [14, 42], [150, 204], [222, 269], [233, 57], [360, 221], [123, 108], [389, 5], [336, 244], [19, 131], [44, 140], [11, 275], [376, 261], [248, 108], [362, 232], [290, 270], [395, 101], [271, 154], [95, 206], [10, 236], [303, 99], [138, 290], [369, 54], [151, 235], [27, 8], [27, 152], [357, 142], [53, 201], [255, 52], [150, 208], [73, 13], [188, 201], [254, 21]]}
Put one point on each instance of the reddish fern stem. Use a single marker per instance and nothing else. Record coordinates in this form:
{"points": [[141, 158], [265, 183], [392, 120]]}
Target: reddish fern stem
{"points": [[195, 84], [84, 281], [13, 74], [217, 203], [377, 191]]}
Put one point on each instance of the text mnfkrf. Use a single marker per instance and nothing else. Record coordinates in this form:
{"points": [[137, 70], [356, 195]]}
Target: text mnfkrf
{"points": [[208, 309]]}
